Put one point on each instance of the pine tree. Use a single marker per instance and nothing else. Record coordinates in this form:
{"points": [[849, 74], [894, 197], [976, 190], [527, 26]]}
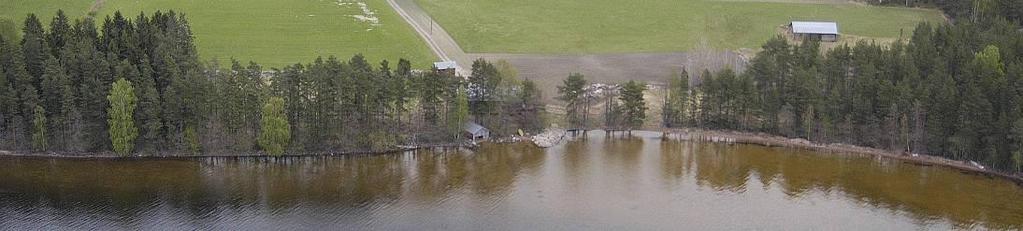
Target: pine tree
{"points": [[34, 48], [8, 104], [942, 103], [54, 80], [530, 98], [71, 134], [676, 100], [122, 126], [30, 101], [404, 91], [148, 114], [633, 106], [12, 61], [710, 100], [483, 88], [60, 33], [801, 93], [90, 73], [290, 84], [572, 92], [275, 133], [39, 137]]}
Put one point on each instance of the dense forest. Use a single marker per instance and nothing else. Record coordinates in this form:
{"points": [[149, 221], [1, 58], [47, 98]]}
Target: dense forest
{"points": [[952, 90], [966, 10], [138, 87]]}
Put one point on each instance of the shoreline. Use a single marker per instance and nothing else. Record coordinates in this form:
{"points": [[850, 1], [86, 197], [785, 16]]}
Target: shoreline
{"points": [[767, 140], [699, 135], [171, 156]]}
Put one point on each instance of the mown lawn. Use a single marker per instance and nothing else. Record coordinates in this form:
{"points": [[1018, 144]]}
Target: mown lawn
{"points": [[16, 10], [610, 26], [45, 9], [272, 32]]}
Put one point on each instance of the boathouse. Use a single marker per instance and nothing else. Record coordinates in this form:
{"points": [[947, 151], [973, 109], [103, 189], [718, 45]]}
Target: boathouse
{"points": [[476, 132]]}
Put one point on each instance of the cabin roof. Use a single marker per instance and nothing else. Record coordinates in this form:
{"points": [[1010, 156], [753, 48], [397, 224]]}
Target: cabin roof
{"points": [[444, 65], [804, 27], [474, 128]]}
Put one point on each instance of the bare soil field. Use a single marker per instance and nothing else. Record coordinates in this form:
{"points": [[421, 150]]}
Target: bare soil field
{"points": [[548, 71]]}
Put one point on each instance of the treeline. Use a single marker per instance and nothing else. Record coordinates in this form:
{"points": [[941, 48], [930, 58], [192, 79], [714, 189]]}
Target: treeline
{"points": [[952, 90], [56, 93], [624, 108], [501, 102], [966, 10]]}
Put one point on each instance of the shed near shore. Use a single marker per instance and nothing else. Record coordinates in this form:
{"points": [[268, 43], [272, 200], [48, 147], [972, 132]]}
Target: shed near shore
{"points": [[476, 132], [825, 31]]}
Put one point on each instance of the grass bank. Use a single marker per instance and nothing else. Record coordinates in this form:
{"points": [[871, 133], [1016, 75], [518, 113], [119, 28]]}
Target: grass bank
{"points": [[615, 26]]}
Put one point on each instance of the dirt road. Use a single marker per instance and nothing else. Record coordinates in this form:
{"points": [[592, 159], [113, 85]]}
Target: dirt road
{"points": [[442, 44]]}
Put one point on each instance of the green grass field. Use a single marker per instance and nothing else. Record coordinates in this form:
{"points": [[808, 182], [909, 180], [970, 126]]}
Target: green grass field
{"points": [[16, 10], [270, 32], [611, 26]]}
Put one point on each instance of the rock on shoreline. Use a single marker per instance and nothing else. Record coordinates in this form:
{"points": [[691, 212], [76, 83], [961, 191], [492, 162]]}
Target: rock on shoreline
{"points": [[549, 138]]}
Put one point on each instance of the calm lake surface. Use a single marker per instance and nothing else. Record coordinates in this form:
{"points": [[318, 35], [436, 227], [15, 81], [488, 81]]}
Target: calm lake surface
{"points": [[596, 183]]}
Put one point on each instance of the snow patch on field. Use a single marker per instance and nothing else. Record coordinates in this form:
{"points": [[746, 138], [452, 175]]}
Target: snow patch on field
{"points": [[367, 16]]}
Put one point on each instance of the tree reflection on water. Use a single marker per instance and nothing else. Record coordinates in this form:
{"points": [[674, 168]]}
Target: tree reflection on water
{"points": [[515, 186]]}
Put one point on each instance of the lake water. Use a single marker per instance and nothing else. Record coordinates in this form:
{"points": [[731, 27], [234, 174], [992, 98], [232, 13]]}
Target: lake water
{"points": [[590, 183]]}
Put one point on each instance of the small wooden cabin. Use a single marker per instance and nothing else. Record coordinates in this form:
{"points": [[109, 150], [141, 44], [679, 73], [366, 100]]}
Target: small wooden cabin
{"points": [[476, 132], [445, 67]]}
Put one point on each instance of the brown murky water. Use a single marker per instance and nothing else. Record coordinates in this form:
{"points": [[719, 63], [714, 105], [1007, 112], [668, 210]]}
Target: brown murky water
{"points": [[596, 183]]}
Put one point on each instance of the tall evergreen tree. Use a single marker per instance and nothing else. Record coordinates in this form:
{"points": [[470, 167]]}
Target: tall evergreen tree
{"points": [[633, 106], [59, 34], [529, 114], [573, 93], [54, 80], [674, 112], [35, 48], [39, 137], [148, 115], [483, 88], [8, 104]]}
